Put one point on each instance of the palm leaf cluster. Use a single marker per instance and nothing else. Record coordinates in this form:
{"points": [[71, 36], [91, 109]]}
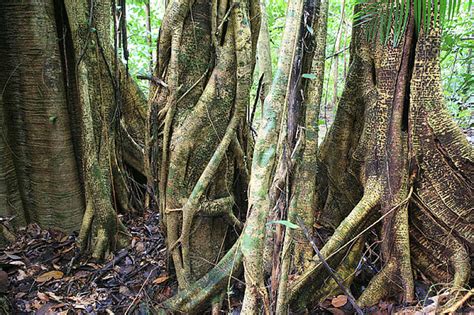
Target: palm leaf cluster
{"points": [[389, 18]]}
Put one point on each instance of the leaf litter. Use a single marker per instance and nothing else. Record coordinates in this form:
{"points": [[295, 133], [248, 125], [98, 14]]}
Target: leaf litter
{"points": [[44, 273]]}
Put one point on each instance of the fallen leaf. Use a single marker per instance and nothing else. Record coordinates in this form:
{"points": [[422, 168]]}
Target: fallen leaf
{"points": [[140, 247], [21, 275], [14, 257], [124, 290], [339, 301], [54, 296], [55, 274], [42, 296], [161, 279], [19, 295]]}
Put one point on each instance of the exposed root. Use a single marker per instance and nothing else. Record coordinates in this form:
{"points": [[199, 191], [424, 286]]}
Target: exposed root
{"points": [[6, 234], [346, 270], [343, 233], [378, 287], [452, 309], [200, 292], [221, 207], [102, 234]]}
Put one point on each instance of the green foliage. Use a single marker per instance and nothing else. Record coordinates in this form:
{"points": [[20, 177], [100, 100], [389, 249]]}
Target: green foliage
{"points": [[276, 15], [140, 50], [388, 18], [457, 66]]}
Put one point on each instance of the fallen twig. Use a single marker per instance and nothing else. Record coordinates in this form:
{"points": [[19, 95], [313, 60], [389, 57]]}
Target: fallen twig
{"points": [[140, 291], [459, 303], [121, 255], [332, 273]]}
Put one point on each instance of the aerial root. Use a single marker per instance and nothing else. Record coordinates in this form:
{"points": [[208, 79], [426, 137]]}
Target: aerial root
{"points": [[221, 207]]}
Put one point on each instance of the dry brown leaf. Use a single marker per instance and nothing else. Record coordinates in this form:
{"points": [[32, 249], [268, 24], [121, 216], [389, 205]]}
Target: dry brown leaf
{"points": [[21, 275], [54, 296], [339, 301], [140, 247], [161, 279], [55, 274], [42, 296]]}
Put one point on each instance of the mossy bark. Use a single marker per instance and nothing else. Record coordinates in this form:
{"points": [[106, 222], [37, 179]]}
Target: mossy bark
{"points": [[393, 155]]}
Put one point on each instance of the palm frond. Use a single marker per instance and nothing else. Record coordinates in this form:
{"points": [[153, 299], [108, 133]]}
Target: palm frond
{"points": [[389, 18]]}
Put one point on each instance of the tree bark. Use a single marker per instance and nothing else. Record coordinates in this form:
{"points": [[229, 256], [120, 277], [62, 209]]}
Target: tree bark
{"points": [[407, 165], [61, 166]]}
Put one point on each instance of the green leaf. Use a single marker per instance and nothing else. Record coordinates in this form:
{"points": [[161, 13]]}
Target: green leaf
{"points": [[442, 11], [286, 223], [397, 34], [308, 76], [427, 16], [418, 13], [389, 21]]}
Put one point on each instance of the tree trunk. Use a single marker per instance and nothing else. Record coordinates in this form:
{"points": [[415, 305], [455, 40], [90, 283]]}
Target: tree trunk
{"points": [[331, 107], [60, 165], [408, 165], [199, 135], [393, 154]]}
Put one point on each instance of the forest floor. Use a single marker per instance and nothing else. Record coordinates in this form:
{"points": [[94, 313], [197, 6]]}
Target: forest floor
{"points": [[43, 273]]}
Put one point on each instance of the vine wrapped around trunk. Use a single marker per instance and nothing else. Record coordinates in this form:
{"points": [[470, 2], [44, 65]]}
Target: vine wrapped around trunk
{"points": [[198, 136]]}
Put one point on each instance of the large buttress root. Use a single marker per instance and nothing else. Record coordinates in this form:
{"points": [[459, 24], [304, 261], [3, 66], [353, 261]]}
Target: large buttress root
{"points": [[200, 293], [421, 162], [62, 154], [39, 177]]}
